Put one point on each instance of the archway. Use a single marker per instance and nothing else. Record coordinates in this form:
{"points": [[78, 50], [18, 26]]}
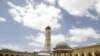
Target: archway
{"points": [[97, 53], [12, 55], [82, 54], [7, 55], [76, 54], [1, 54], [89, 54]]}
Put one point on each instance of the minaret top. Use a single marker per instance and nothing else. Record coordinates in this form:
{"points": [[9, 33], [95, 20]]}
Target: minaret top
{"points": [[48, 27]]}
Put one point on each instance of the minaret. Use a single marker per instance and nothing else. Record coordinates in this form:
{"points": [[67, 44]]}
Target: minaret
{"points": [[48, 38]]}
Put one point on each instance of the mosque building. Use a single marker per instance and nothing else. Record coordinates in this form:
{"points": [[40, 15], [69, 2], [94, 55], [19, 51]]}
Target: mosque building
{"points": [[61, 49]]}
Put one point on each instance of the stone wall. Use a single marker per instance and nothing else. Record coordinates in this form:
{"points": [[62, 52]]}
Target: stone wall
{"points": [[14, 53], [86, 51]]}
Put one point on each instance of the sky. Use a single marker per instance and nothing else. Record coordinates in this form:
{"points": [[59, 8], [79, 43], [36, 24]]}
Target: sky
{"points": [[23, 23]]}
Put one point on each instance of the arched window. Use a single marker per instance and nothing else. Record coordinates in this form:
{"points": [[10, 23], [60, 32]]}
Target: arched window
{"points": [[1, 54], [89, 54], [76, 55], [12, 55], [6, 55], [97, 53], [82, 54]]}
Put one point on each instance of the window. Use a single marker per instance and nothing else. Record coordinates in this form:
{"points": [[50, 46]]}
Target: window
{"points": [[89, 54], [1, 54]]}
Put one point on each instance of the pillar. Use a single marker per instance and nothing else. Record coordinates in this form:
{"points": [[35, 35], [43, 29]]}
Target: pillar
{"points": [[93, 54]]}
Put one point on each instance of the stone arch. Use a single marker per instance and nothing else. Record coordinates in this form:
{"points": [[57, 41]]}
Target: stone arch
{"points": [[12, 55], [97, 53], [7, 55], [89, 54], [76, 54], [82, 54], [1, 54]]}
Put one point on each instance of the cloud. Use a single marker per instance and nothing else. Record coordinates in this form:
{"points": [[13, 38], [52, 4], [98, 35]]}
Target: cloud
{"points": [[73, 45], [81, 34], [51, 1], [92, 16], [2, 19], [39, 41], [79, 7], [97, 7], [36, 16], [11, 47]]}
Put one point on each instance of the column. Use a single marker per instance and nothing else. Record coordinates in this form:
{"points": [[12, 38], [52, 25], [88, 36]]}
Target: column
{"points": [[93, 54], [85, 54], [55, 54], [78, 54]]}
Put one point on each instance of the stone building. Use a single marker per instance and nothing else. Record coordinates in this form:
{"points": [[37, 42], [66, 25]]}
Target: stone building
{"points": [[7, 52], [90, 50], [62, 49]]}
